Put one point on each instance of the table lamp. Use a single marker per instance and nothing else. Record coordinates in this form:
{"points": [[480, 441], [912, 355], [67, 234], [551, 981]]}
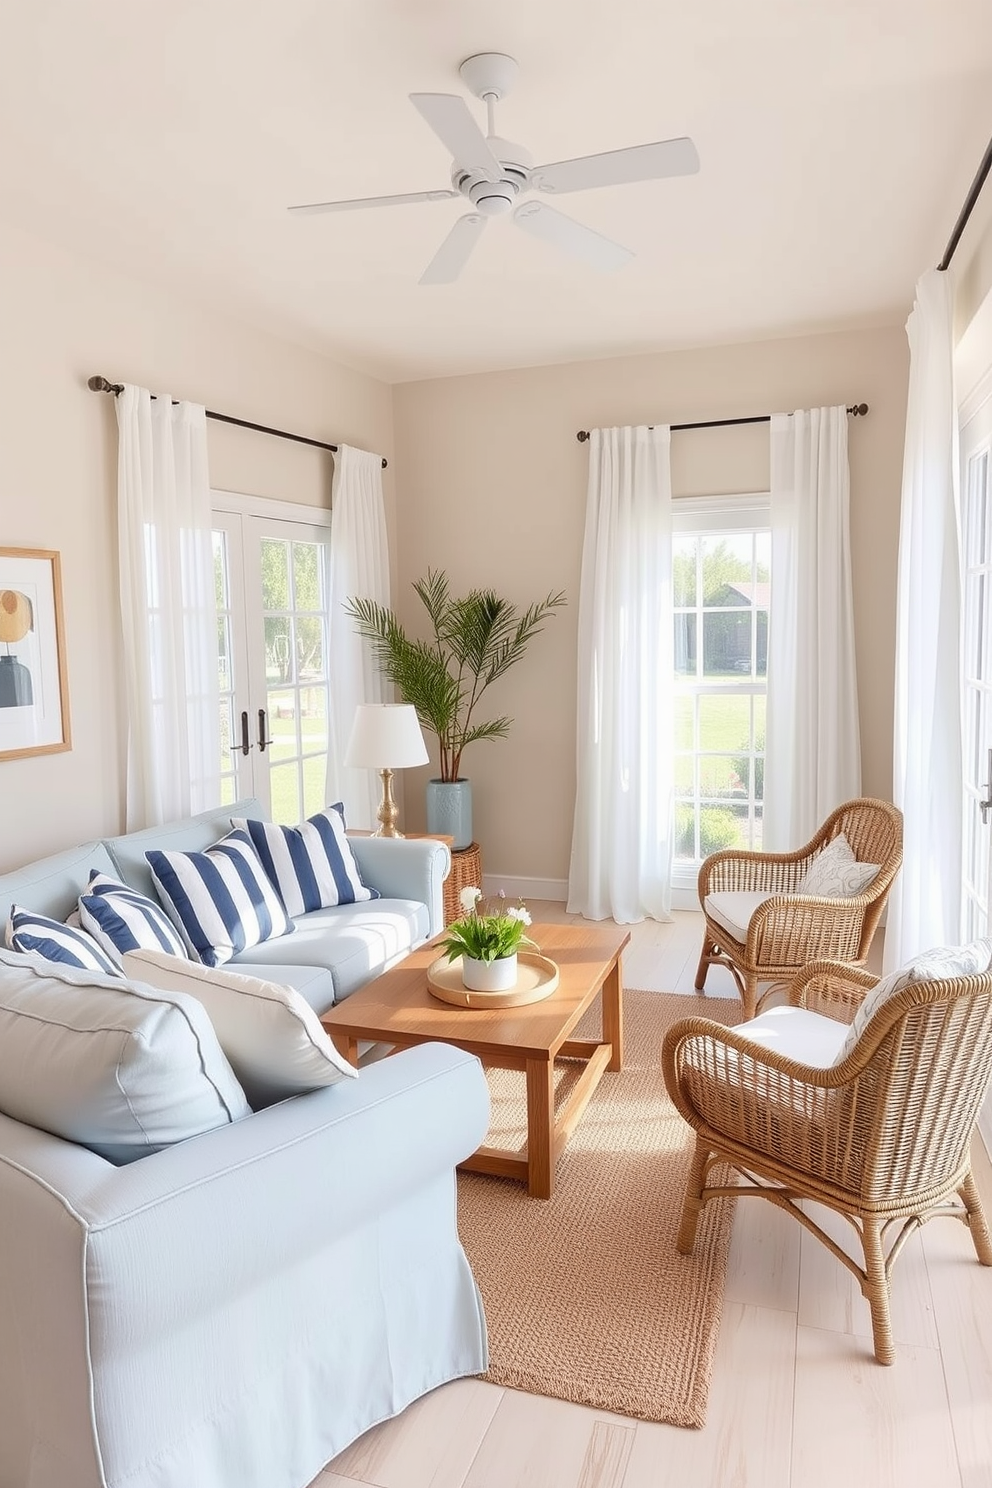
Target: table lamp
{"points": [[386, 737]]}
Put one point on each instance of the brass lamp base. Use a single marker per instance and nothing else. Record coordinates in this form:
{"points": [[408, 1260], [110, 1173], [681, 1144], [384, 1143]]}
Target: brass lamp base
{"points": [[388, 813]]}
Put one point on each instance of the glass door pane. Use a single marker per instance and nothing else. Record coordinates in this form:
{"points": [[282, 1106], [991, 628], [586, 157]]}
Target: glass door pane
{"points": [[272, 593]]}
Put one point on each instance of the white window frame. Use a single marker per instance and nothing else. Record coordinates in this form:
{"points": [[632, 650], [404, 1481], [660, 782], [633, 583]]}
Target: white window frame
{"points": [[727, 515]]}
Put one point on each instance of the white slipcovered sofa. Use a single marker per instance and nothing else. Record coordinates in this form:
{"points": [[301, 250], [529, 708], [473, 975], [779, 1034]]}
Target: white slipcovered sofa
{"points": [[231, 1310]]}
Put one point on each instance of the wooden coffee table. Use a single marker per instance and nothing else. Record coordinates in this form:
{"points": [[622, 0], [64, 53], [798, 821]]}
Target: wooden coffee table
{"points": [[397, 1008]]}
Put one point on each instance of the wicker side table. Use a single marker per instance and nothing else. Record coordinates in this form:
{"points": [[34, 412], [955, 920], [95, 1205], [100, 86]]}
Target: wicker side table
{"points": [[466, 868]]}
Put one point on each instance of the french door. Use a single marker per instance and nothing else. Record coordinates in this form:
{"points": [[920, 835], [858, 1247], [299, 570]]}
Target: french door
{"points": [[270, 572], [976, 669]]}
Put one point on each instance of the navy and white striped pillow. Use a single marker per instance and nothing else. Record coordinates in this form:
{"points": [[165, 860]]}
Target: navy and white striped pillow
{"points": [[312, 865], [220, 898], [122, 920], [27, 931]]}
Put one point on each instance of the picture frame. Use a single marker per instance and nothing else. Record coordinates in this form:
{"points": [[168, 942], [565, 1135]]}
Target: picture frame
{"points": [[34, 687]]}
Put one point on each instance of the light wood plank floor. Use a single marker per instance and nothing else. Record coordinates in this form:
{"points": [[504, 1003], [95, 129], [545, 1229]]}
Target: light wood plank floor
{"points": [[797, 1400]]}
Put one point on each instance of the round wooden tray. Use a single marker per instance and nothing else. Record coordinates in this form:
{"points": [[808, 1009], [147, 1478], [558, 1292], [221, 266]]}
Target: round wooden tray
{"points": [[537, 977]]}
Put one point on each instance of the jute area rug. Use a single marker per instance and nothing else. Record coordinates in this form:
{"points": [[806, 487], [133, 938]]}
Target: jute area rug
{"points": [[586, 1297]]}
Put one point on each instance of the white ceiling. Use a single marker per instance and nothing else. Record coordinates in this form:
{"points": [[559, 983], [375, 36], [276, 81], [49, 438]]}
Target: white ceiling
{"points": [[837, 138]]}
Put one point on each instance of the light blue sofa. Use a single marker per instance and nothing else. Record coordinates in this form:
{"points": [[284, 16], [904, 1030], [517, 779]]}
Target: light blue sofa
{"points": [[329, 954], [232, 1311]]}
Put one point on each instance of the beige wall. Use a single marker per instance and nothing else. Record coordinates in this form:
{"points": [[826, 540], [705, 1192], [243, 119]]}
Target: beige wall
{"points": [[64, 319], [492, 488]]}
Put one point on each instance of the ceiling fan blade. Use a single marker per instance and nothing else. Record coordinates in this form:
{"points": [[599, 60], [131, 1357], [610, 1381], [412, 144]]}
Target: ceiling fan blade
{"points": [[674, 157], [448, 116], [454, 252], [356, 205], [572, 237]]}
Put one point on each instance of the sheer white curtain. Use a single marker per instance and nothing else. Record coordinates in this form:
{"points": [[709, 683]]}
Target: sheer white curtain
{"points": [[812, 740], [168, 609], [622, 828], [924, 906], [359, 567]]}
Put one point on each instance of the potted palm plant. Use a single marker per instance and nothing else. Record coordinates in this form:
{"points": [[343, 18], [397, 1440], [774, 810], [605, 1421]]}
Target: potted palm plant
{"points": [[473, 641]]}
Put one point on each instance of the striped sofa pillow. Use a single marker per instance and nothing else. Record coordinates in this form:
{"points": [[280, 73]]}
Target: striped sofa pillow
{"points": [[27, 932], [220, 898], [312, 866], [122, 919]]}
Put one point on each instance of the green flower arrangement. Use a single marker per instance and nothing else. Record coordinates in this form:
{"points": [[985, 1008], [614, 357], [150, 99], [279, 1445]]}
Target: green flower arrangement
{"points": [[488, 930]]}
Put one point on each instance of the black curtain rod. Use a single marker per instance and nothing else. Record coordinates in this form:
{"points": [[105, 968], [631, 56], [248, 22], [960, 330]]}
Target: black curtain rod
{"points": [[858, 410], [968, 208], [101, 385]]}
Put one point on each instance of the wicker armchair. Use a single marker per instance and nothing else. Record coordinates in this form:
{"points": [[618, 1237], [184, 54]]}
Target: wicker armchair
{"points": [[882, 1137], [788, 929]]}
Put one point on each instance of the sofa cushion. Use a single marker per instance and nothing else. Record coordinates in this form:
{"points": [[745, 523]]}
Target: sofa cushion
{"points": [[733, 908], [122, 920], [271, 1036], [942, 963], [835, 873], [67, 945], [52, 885], [354, 941], [311, 866], [191, 834], [220, 898], [119, 1067]]}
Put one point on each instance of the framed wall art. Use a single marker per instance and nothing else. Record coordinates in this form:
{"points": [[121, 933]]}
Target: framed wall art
{"points": [[34, 691]]}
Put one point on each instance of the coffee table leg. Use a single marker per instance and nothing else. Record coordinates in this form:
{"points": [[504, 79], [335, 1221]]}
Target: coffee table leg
{"points": [[613, 1016], [540, 1127]]}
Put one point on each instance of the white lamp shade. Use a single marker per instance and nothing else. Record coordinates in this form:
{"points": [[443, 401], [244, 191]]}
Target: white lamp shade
{"points": [[385, 736]]}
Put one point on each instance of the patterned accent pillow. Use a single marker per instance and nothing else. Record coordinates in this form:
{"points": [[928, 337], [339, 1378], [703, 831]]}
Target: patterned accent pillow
{"points": [[220, 898], [835, 873], [63, 944], [311, 866], [938, 965], [122, 919]]}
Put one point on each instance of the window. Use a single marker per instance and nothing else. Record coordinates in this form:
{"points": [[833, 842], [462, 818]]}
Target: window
{"points": [[721, 573]]}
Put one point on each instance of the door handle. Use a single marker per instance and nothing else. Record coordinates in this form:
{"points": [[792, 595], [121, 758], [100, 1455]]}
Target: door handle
{"points": [[263, 738], [986, 806], [245, 745]]}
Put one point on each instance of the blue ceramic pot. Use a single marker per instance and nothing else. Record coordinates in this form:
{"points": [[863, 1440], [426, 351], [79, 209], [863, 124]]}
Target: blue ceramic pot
{"points": [[449, 810]]}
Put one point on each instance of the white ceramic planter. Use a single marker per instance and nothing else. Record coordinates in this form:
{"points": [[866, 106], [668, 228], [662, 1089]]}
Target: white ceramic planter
{"points": [[490, 976]]}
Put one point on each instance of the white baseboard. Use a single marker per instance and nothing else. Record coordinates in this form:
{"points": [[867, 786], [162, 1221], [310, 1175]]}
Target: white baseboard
{"points": [[525, 888], [556, 889]]}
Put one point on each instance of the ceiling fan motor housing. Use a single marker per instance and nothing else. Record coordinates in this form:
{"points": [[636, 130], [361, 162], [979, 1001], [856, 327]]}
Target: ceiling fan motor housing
{"points": [[493, 198]]}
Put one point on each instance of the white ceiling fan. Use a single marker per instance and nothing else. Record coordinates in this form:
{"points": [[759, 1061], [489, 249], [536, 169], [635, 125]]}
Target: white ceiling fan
{"points": [[493, 173]]}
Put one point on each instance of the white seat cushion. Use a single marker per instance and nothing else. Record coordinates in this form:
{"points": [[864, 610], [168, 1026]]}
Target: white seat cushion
{"points": [[806, 1037], [122, 1069], [271, 1034], [733, 910]]}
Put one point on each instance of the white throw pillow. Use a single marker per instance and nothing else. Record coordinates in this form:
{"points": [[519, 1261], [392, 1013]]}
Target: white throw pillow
{"points": [[943, 963], [220, 898], [835, 873], [271, 1034], [122, 1069], [310, 866]]}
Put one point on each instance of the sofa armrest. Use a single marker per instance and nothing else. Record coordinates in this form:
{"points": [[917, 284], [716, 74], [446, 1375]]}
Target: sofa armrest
{"points": [[117, 1273], [406, 868]]}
